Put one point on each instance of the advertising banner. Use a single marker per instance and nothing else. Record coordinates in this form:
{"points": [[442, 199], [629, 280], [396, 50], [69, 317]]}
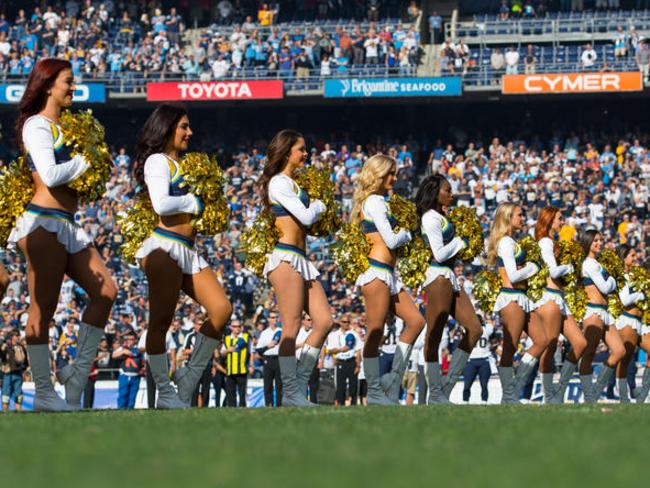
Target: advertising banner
{"points": [[84, 93], [393, 87], [550, 83], [215, 90]]}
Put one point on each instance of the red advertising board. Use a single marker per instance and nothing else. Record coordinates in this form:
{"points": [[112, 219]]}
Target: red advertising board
{"points": [[214, 90]]}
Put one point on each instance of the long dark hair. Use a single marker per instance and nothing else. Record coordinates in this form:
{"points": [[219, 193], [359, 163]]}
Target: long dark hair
{"points": [[623, 251], [586, 238], [155, 135], [427, 195], [35, 96], [277, 155]]}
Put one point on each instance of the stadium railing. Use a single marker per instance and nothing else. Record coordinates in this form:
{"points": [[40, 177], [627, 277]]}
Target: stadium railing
{"points": [[562, 28]]}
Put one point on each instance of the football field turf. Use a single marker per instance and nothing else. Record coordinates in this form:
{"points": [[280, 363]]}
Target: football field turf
{"points": [[450, 446]]}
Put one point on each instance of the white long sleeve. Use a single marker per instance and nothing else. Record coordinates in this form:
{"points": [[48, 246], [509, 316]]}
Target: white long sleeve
{"points": [[157, 176], [506, 251], [39, 142], [375, 208], [432, 228], [592, 269], [628, 297], [282, 191], [554, 270]]}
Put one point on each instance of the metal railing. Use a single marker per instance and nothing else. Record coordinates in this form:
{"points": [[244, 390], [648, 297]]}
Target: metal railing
{"points": [[546, 30]]}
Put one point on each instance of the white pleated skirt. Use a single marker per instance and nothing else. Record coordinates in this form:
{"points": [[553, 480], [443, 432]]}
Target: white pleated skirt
{"points": [[629, 320], [434, 271], [556, 296], [512, 295], [382, 272], [601, 312], [296, 257], [59, 222], [178, 247]]}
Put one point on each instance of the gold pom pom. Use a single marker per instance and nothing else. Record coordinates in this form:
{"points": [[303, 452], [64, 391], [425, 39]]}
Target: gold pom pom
{"points": [[404, 211], [640, 282], [16, 191], [204, 178], [350, 251], [85, 135], [576, 300], [614, 305], [318, 184], [136, 226], [537, 282], [486, 288], [413, 260], [467, 226], [571, 253], [613, 264], [258, 241]]}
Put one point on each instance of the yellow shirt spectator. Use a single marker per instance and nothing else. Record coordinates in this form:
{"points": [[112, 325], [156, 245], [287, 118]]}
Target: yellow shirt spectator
{"points": [[265, 17], [622, 231], [567, 233]]}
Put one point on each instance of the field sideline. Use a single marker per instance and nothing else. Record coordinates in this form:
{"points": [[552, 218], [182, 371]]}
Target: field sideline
{"points": [[504, 446]]}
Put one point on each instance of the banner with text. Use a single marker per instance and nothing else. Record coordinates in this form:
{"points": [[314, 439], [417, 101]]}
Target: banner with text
{"points": [[84, 93], [215, 90], [549, 83], [393, 87]]}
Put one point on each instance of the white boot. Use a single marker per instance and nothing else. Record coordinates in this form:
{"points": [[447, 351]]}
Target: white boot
{"points": [[568, 368], [434, 381], [588, 390], [376, 394], [167, 396], [623, 391], [391, 382], [187, 377], [291, 397], [641, 393], [603, 378], [306, 364], [456, 367], [548, 387], [74, 376], [507, 377], [45, 398]]}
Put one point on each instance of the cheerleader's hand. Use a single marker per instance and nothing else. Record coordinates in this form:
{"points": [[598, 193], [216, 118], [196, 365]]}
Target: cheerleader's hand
{"points": [[318, 206], [200, 205]]}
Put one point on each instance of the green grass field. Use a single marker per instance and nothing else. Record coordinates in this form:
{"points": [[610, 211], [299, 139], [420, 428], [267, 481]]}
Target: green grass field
{"points": [[457, 446]]}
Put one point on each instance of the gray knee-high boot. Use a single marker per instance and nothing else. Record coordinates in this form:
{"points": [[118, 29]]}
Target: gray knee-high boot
{"points": [[456, 367], [641, 393], [568, 368], [603, 378], [507, 377]]}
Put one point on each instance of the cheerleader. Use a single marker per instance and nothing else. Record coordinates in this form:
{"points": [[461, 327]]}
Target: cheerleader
{"points": [[293, 277], [553, 311], [630, 323], [382, 290], [512, 303], [641, 393], [597, 321], [52, 243], [444, 294], [169, 259]]}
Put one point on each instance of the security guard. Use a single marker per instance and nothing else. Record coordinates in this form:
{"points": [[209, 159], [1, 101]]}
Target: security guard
{"points": [[238, 364]]}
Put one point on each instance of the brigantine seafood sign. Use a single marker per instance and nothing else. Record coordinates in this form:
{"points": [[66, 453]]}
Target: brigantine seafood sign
{"points": [[393, 87]]}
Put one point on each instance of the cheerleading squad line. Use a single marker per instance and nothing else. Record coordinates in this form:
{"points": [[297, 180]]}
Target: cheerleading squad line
{"points": [[54, 245]]}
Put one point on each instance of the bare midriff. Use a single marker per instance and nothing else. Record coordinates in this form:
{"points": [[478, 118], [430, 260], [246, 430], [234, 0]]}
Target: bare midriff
{"points": [[292, 232], [60, 197]]}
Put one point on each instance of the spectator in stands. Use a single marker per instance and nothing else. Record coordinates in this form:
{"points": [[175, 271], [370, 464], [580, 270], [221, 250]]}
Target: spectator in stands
{"points": [[371, 45], [643, 59], [588, 58], [512, 61], [620, 43], [435, 27], [265, 15], [497, 60], [268, 346], [530, 61]]}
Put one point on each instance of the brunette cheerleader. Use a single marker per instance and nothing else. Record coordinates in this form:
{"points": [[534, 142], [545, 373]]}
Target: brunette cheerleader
{"points": [[169, 258], [598, 321], [444, 295], [293, 277], [53, 244]]}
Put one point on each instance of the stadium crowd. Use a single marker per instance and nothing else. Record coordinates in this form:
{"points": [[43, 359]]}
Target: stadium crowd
{"points": [[107, 40], [602, 182]]}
